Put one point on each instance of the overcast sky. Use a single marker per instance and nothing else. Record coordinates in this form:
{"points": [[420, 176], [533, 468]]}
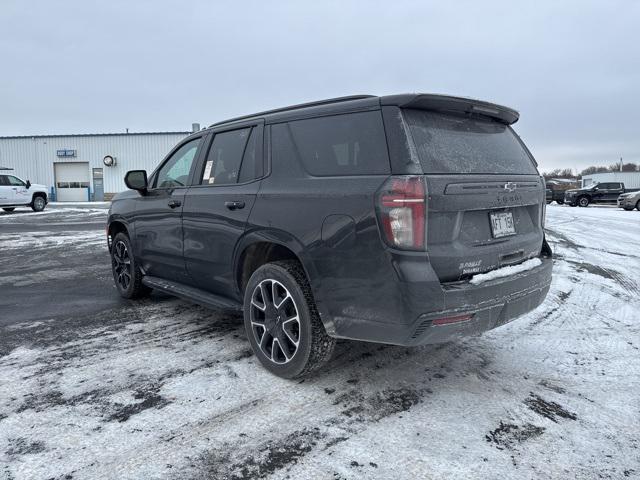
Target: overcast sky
{"points": [[572, 69]]}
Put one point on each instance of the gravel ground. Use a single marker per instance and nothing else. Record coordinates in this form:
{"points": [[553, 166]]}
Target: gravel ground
{"points": [[97, 387]]}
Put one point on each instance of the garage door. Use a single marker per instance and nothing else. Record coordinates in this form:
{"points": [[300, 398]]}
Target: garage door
{"points": [[72, 181]]}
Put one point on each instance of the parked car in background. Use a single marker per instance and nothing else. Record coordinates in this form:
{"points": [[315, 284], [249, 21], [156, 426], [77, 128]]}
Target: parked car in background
{"points": [[15, 192], [557, 192], [605, 192], [404, 219], [558, 186], [629, 200]]}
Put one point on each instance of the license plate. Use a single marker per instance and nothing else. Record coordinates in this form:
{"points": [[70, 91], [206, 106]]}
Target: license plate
{"points": [[502, 224]]}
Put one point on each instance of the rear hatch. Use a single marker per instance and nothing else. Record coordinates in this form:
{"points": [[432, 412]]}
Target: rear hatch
{"points": [[485, 198]]}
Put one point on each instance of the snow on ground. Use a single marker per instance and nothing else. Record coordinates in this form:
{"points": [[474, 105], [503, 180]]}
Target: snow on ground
{"points": [[162, 389], [46, 239], [54, 214]]}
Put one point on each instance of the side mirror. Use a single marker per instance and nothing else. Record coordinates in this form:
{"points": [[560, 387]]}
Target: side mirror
{"points": [[136, 180], [28, 184]]}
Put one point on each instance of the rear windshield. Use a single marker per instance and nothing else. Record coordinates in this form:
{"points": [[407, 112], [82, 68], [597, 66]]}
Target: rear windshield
{"points": [[457, 144]]}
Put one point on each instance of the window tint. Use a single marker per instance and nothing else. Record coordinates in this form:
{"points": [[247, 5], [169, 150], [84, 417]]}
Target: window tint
{"points": [[225, 154], [251, 166], [350, 144], [175, 171], [15, 181], [458, 144], [3, 180]]}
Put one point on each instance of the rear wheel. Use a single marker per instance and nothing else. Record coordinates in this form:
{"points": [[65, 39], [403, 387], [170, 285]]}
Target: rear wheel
{"points": [[583, 201], [38, 203], [126, 272], [9, 209], [560, 202], [282, 321]]}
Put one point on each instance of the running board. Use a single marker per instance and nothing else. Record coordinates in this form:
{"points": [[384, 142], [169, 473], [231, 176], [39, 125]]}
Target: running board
{"points": [[191, 293]]}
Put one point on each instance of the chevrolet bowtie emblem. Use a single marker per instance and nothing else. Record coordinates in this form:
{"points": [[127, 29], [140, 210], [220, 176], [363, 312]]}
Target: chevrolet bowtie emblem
{"points": [[510, 186]]}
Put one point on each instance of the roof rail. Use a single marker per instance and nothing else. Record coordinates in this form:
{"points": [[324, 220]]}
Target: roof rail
{"points": [[295, 107]]}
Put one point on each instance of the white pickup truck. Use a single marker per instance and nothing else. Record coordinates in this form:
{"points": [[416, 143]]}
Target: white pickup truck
{"points": [[15, 192]]}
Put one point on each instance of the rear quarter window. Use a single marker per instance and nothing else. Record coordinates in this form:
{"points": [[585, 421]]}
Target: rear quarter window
{"points": [[459, 144], [347, 144]]}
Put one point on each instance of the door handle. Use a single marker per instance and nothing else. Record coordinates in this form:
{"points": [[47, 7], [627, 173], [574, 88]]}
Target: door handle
{"points": [[174, 203], [234, 205]]}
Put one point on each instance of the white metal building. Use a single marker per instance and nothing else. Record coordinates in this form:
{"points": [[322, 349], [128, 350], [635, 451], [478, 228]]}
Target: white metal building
{"points": [[630, 179], [72, 166]]}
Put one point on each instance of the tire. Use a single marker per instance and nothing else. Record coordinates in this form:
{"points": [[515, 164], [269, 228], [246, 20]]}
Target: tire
{"points": [[126, 273], [560, 202], [9, 209], [583, 202], [289, 340], [38, 203]]}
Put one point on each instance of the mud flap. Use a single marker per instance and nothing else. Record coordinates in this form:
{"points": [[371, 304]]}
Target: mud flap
{"points": [[546, 249]]}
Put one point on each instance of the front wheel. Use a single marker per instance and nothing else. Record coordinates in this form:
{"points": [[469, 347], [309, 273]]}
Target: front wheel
{"points": [[124, 266], [583, 201], [9, 209], [38, 203], [282, 321]]}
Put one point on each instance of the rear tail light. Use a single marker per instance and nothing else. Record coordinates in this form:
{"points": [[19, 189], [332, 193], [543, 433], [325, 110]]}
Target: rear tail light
{"points": [[401, 208]]}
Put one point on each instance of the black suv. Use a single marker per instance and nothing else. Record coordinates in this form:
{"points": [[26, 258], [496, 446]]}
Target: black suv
{"points": [[365, 218], [606, 192]]}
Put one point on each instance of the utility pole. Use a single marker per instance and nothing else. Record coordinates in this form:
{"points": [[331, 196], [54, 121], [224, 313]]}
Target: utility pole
{"points": [[620, 163]]}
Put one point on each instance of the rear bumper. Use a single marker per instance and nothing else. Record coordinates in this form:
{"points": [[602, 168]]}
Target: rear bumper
{"points": [[493, 303]]}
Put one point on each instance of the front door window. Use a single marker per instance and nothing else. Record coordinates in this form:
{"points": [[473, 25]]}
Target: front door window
{"points": [[175, 171]]}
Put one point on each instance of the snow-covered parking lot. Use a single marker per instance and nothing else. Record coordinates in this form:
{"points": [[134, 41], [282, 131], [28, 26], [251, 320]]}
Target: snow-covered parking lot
{"points": [[95, 387]]}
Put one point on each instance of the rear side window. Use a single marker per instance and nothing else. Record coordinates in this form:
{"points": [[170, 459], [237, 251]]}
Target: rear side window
{"points": [[3, 180], [223, 161], [349, 144], [458, 144]]}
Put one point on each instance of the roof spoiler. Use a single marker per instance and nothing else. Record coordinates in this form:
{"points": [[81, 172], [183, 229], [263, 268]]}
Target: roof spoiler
{"points": [[446, 103]]}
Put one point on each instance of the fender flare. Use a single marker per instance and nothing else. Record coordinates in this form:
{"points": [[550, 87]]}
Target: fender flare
{"points": [[116, 218], [275, 236]]}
